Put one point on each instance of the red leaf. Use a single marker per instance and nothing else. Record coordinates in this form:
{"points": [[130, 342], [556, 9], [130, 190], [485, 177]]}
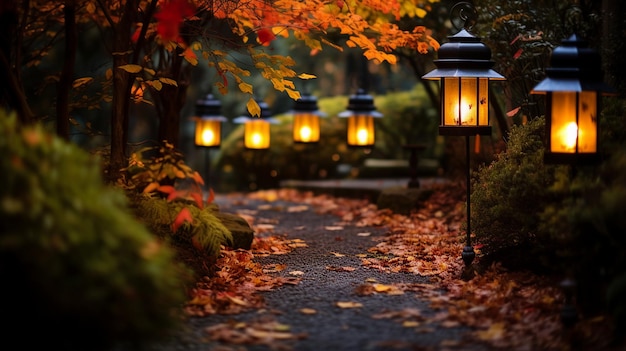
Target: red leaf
{"points": [[175, 194], [171, 16], [265, 36], [183, 216], [518, 53], [135, 36], [211, 196], [198, 199], [168, 189]]}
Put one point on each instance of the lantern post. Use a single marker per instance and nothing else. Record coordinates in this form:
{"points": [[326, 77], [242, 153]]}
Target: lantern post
{"points": [[208, 131], [464, 72], [572, 87]]}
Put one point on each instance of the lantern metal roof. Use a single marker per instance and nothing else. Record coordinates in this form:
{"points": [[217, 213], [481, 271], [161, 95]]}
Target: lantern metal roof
{"points": [[574, 67], [307, 103], [209, 108], [464, 55], [361, 103]]}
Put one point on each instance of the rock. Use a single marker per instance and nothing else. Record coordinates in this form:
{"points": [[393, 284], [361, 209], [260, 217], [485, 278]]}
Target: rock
{"points": [[239, 227], [401, 199]]}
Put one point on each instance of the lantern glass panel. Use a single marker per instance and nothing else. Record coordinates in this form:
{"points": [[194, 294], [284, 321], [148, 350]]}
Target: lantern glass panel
{"points": [[306, 128], [573, 122], [208, 132], [466, 101], [361, 130], [257, 134]]}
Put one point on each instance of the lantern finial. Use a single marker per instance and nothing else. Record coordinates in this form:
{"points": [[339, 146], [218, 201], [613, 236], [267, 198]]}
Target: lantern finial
{"points": [[463, 15]]}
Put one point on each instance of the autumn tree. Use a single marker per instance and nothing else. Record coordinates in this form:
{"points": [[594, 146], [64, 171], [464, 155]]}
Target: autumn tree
{"points": [[155, 44]]}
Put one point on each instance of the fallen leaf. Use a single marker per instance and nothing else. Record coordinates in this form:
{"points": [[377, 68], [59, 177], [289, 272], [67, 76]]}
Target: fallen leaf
{"points": [[296, 273], [300, 208], [495, 332], [364, 234], [336, 254], [349, 304], [308, 311], [333, 227]]}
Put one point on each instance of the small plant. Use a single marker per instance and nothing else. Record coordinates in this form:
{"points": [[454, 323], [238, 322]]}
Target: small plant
{"points": [[167, 195]]}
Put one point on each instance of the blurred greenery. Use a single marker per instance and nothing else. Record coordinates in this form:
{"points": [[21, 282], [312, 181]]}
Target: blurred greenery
{"points": [[80, 272]]}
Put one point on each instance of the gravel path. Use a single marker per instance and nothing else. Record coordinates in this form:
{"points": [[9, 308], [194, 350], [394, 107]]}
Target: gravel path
{"points": [[330, 327]]}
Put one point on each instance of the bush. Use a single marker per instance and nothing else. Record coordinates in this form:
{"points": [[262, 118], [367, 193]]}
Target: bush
{"points": [[78, 271], [559, 219], [509, 195]]}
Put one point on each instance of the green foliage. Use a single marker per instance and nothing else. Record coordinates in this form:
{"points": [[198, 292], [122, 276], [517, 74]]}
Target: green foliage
{"points": [[154, 166], [561, 219], [206, 230], [78, 271], [508, 195]]}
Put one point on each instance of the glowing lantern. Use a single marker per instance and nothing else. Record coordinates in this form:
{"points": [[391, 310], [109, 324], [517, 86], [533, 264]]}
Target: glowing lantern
{"points": [[256, 133], [464, 71], [361, 113], [572, 87], [306, 120], [208, 122]]}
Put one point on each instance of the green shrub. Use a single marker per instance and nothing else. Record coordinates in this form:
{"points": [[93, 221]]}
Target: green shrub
{"points": [[509, 195], [78, 271]]}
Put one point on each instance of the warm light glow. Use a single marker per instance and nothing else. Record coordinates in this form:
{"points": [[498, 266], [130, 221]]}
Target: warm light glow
{"points": [[362, 136], [361, 130], [573, 122], [257, 134], [568, 136], [208, 132], [305, 133], [473, 109], [208, 137], [306, 128]]}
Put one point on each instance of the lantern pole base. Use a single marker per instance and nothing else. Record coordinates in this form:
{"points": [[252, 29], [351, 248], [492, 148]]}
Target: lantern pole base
{"points": [[468, 255]]}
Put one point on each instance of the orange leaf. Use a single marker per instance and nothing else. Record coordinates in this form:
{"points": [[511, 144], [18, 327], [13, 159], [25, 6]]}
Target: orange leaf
{"points": [[197, 178], [151, 187], [183, 216]]}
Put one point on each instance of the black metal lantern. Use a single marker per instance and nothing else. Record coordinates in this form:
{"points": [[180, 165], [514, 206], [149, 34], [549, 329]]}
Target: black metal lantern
{"points": [[257, 128], [208, 122], [306, 120], [573, 87], [361, 113], [464, 71]]}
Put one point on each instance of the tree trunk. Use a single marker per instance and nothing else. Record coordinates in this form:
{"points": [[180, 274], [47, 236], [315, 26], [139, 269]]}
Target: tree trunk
{"points": [[67, 75], [122, 82], [12, 94], [172, 99]]}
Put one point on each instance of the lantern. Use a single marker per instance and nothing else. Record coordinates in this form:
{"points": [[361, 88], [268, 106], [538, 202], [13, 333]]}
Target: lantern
{"points": [[306, 120], [361, 113], [572, 87], [256, 131], [208, 122], [464, 71]]}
